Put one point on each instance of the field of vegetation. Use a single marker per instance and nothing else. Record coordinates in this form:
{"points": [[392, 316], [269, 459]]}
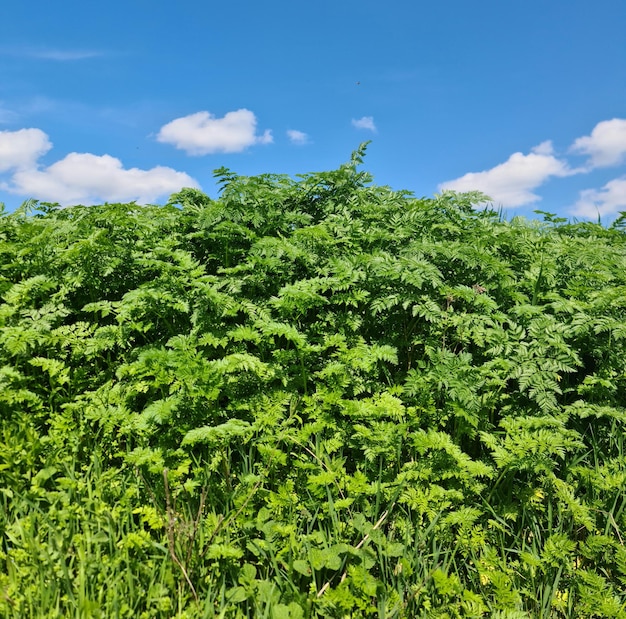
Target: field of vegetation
{"points": [[311, 397]]}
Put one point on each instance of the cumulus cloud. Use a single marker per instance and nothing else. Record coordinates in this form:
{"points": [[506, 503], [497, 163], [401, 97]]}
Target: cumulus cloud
{"points": [[366, 122], [297, 137], [21, 149], [512, 183], [85, 178], [545, 148], [609, 200], [606, 146], [202, 134]]}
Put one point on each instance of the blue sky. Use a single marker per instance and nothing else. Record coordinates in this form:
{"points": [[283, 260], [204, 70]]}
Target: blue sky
{"points": [[132, 100]]}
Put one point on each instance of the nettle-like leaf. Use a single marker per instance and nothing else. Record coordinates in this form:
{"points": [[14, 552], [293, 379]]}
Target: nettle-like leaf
{"points": [[233, 429], [29, 291], [157, 413], [13, 391], [57, 370], [536, 444]]}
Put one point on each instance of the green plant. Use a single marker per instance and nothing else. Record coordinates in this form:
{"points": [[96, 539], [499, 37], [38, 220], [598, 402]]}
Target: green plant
{"points": [[310, 397]]}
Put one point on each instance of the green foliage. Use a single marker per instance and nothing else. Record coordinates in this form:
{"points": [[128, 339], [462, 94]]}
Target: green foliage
{"points": [[311, 397]]}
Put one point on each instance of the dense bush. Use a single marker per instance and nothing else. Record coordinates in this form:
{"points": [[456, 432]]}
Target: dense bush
{"points": [[311, 398]]}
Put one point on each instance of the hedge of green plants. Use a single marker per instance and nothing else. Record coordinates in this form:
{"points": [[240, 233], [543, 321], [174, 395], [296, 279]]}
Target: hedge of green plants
{"points": [[311, 397]]}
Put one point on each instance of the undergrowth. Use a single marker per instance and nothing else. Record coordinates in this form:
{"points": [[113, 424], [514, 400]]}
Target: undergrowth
{"points": [[311, 397]]}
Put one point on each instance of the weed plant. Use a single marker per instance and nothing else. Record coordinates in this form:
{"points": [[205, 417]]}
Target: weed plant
{"points": [[311, 397]]}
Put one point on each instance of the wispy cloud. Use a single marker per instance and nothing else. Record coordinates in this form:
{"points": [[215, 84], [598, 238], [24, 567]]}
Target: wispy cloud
{"points": [[79, 177], [59, 55], [77, 112], [512, 183], [606, 146], [366, 122], [297, 137], [7, 115], [202, 133], [607, 201], [62, 55]]}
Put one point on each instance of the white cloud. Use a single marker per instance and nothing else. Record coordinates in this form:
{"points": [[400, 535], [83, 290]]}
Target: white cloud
{"points": [[606, 201], [367, 122], [297, 137], [86, 178], [511, 183], [545, 148], [21, 149], [201, 133], [606, 146]]}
